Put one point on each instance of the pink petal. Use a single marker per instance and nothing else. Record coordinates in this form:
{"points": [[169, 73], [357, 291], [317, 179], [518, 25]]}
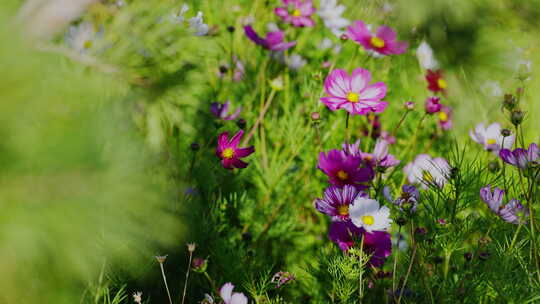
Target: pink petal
{"points": [[398, 47], [358, 31], [235, 140], [386, 33], [223, 139], [337, 83], [244, 151], [238, 163], [360, 79], [333, 103], [375, 91], [281, 12]]}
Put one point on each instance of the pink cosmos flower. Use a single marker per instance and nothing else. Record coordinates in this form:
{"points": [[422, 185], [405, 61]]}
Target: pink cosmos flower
{"points": [[491, 138], [273, 40], [380, 156], [383, 42], [296, 12], [436, 82], [426, 171], [433, 105], [221, 111], [229, 152], [336, 201], [445, 118], [230, 297], [354, 93]]}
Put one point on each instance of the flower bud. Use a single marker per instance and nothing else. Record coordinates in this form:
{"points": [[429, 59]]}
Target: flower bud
{"points": [[199, 265], [483, 256], [241, 123], [409, 105], [468, 256], [191, 247], [510, 102], [230, 29], [401, 221], [315, 116], [506, 132], [195, 146], [517, 117], [493, 166], [223, 69], [344, 37]]}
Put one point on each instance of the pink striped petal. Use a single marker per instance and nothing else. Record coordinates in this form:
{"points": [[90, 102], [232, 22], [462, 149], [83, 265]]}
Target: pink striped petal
{"points": [[374, 91], [360, 79], [337, 84]]}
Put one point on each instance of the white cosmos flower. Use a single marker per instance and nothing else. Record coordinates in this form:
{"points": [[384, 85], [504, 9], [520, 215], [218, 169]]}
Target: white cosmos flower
{"points": [[365, 213], [491, 137], [425, 171], [295, 62], [425, 56], [81, 37], [197, 25], [330, 12]]}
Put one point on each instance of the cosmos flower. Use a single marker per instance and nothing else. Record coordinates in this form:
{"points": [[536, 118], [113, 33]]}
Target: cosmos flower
{"points": [[296, 12], [380, 156], [513, 212], [492, 198], [229, 152], [491, 137], [352, 149], [445, 118], [436, 82], [221, 111], [378, 243], [365, 213], [336, 201], [273, 40], [343, 169], [196, 23], [521, 158], [330, 12], [81, 37], [383, 42], [354, 93], [295, 62], [238, 70], [281, 278], [226, 293], [432, 105], [407, 201], [425, 171], [425, 56]]}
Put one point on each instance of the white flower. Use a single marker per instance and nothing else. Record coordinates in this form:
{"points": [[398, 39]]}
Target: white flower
{"points": [[179, 17], [226, 293], [330, 12], [81, 37], [426, 171], [365, 213], [272, 27], [137, 297], [295, 62], [197, 25], [492, 88], [425, 56], [491, 137]]}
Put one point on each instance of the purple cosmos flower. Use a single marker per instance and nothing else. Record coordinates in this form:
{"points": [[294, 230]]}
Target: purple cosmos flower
{"points": [[336, 201], [296, 12], [383, 42], [221, 111], [445, 118], [491, 137], [513, 212], [433, 105], [521, 158], [354, 93], [229, 152], [425, 170], [378, 243], [352, 149], [343, 169], [226, 293], [380, 156], [408, 201], [492, 198], [273, 41]]}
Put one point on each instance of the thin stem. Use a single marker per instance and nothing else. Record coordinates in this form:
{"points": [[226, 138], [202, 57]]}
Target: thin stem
{"points": [[187, 277], [400, 122], [361, 279], [165, 281], [260, 118], [408, 272], [396, 261], [347, 134], [515, 237]]}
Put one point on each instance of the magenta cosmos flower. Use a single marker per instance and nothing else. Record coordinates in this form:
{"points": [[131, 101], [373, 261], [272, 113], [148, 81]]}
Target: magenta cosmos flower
{"points": [[346, 235], [383, 42], [229, 152], [433, 105], [521, 158], [296, 12], [336, 201], [273, 40], [354, 93], [343, 169], [445, 118]]}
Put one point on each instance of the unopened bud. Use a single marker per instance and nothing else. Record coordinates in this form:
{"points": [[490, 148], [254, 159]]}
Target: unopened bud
{"points": [[401, 221], [230, 29], [195, 146], [506, 132], [344, 37], [494, 166], [517, 117], [223, 69], [241, 123], [409, 105], [510, 102], [315, 116]]}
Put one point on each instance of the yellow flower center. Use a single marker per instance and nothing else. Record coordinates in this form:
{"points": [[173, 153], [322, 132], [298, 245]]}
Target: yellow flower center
{"points": [[377, 42], [343, 210], [442, 83], [443, 116], [87, 44], [368, 157], [296, 13], [353, 97], [491, 141], [228, 153], [368, 220], [427, 176], [371, 116], [342, 175]]}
